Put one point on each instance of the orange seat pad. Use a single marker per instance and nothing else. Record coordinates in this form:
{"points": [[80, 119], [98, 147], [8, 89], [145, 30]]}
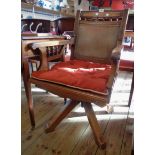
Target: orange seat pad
{"points": [[79, 74]]}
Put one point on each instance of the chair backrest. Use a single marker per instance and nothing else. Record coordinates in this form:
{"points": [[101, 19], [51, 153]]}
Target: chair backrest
{"points": [[64, 24], [98, 33]]}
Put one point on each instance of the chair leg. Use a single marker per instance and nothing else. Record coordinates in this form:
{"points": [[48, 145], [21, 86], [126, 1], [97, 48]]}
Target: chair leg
{"points": [[131, 91], [52, 124], [94, 125], [30, 104], [27, 86]]}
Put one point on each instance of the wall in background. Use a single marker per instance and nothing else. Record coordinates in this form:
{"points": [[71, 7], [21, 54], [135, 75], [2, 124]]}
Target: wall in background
{"points": [[27, 11], [116, 4]]}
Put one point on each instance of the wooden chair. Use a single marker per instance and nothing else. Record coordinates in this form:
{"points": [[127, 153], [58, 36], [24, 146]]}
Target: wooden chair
{"points": [[90, 74]]}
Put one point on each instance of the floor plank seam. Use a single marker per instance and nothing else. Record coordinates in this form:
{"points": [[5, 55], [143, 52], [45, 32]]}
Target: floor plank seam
{"points": [[124, 130], [105, 131], [78, 140], [41, 134]]}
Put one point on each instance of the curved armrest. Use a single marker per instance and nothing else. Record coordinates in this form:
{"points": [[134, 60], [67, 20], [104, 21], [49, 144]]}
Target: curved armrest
{"points": [[43, 51], [116, 52]]}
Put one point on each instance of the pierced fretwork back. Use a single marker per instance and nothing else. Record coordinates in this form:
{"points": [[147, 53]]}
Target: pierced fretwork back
{"points": [[98, 33]]}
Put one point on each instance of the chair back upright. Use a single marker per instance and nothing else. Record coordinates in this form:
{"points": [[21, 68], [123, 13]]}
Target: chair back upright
{"points": [[97, 34]]}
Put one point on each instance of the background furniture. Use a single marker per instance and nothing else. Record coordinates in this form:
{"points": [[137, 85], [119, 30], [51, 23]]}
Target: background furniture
{"points": [[35, 26], [63, 24], [127, 58], [31, 28], [129, 34], [127, 64]]}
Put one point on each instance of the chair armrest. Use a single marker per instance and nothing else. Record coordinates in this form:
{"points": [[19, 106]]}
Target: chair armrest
{"points": [[115, 56], [116, 52], [43, 51]]}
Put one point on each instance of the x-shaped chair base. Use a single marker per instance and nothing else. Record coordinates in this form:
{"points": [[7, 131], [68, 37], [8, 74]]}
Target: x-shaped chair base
{"points": [[52, 124]]}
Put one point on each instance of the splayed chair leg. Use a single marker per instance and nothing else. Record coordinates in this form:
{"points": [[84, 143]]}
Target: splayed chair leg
{"points": [[94, 125], [27, 85], [52, 124], [30, 105]]}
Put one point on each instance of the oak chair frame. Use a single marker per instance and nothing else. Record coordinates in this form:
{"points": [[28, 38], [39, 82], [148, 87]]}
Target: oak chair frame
{"points": [[110, 18]]}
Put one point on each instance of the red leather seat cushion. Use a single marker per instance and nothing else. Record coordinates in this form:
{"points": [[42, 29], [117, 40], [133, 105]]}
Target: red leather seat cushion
{"points": [[78, 74]]}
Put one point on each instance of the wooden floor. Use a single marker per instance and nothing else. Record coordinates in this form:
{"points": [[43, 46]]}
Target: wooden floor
{"points": [[74, 136]]}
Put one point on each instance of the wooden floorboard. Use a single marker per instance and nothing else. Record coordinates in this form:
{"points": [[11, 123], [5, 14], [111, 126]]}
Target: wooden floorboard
{"points": [[86, 144], [74, 136], [114, 133], [127, 144]]}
